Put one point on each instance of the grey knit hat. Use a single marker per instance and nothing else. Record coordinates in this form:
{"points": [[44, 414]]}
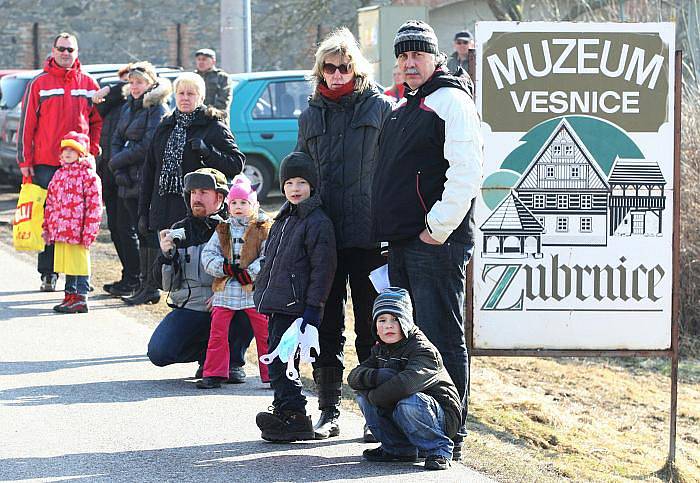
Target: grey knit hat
{"points": [[415, 35], [298, 164], [397, 302]]}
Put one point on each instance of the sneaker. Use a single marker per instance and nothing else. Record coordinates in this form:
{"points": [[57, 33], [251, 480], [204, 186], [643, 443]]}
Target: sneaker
{"points": [[48, 282], [285, 426], [378, 454], [436, 462], [236, 375], [76, 306], [67, 299], [210, 382], [367, 435]]}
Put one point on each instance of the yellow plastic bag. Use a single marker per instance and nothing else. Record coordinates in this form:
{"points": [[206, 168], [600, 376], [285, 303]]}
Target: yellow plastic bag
{"points": [[29, 216]]}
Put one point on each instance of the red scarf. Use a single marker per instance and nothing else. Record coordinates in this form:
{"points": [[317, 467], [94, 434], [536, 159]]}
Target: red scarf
{"points": [[336, 94]]}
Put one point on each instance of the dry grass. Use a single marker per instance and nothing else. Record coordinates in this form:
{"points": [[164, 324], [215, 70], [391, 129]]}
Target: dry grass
{"points": [[690, 220]]}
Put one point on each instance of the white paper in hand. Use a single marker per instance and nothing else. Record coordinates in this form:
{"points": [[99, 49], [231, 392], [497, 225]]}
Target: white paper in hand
{"points": [[380, 278]]}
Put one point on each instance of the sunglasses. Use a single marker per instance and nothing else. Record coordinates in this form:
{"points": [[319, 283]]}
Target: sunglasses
{"points": [[61, 48], [331, 68], [137, 69]]}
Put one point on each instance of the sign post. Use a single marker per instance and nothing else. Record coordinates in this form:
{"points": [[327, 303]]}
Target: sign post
{"points": [[577, 226]]}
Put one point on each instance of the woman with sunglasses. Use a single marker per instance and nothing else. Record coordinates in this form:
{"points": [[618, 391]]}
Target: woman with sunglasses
{"points": [[146, 104], [340, 131]]}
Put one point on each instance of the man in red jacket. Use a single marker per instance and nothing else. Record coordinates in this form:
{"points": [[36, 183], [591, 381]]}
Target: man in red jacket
{"points": [[57, 101]]}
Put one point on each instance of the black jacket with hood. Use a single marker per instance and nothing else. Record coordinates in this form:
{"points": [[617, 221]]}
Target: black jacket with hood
{"points": [[132, 136], [110, 110], [343, 140], [300, 260], [419, 368], [411, 174], [208, 125]]}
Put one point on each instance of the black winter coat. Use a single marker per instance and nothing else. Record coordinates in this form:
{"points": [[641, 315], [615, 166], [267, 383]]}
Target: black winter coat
{"points": [[300, 260], [137, 123], [343, 140], [208, 125], [110, 110], [419, 368]]}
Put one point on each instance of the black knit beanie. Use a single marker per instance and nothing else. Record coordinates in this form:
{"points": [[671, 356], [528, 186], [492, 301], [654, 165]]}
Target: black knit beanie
{"points": [[298, 164], [415, 35]]}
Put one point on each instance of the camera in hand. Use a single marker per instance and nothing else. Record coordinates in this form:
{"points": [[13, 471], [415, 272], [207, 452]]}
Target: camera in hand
{"points": [[177, 234]]}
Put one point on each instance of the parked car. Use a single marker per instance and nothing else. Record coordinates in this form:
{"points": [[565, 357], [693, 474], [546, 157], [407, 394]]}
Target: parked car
{"points": [[263, 116], [13, 87]]}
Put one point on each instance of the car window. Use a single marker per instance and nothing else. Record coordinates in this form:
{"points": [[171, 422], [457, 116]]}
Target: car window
{"points": [[282, 100], [12, 91]]}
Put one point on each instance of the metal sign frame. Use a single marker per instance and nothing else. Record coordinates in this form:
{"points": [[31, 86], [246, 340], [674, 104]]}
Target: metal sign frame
{"points": [[673, 352]]}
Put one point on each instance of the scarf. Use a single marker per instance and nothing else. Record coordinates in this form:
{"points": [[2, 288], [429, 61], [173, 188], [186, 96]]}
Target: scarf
{"points": [[170, 180], [335, 95]]}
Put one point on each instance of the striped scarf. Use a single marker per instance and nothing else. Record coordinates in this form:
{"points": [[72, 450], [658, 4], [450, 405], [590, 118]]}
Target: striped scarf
{"points": [[170, 181]]}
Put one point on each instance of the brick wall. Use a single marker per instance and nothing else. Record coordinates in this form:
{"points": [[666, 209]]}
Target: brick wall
{"points": [[109, 31]]}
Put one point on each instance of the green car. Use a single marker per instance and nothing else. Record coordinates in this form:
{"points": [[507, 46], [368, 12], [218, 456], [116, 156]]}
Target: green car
{"points": [[264, 113]]}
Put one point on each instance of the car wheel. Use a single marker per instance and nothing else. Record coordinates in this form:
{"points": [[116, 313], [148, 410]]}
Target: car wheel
{"points": [[259, 173]]}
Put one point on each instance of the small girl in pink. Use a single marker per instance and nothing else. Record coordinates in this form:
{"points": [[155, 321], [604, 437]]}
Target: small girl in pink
{"points": [[72, 219], [233, 256]]}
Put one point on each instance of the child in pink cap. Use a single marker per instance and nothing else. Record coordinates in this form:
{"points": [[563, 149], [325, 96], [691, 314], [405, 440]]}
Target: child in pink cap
{"points": [[233, 256]]}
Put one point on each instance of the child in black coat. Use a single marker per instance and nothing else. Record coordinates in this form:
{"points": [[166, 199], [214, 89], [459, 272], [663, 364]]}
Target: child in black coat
{"points": [[296, 277]]}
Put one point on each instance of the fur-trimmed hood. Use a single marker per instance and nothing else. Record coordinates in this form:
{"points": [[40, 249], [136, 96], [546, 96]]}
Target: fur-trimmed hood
{"points": [[158, 94]]}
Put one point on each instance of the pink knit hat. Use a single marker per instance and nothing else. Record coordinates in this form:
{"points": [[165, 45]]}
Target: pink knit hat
{"points": [[241, 189]]}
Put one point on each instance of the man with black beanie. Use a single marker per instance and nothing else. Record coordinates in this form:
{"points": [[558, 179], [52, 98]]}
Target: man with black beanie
{"points": [[428, 175]]}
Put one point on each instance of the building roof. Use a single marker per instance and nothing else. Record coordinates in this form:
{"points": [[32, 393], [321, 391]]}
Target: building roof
{"points": [[636, 171], [512, 215]]}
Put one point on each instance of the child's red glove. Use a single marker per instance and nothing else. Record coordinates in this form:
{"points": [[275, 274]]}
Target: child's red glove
{"points": [[241, 275]]}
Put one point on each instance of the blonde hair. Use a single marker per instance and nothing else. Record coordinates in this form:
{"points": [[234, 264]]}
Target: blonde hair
{"points": [[143, 69], [341, 42], [191, 79]]}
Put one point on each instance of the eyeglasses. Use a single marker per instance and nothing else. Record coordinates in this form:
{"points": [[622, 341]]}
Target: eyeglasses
{"points": [[61, 48], [331, 68], [138, 69]]}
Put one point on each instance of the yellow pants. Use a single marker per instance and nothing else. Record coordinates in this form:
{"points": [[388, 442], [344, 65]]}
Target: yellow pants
{"points": [[71, 259]]}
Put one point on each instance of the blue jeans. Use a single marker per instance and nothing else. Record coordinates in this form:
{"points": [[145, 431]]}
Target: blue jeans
{"points": [[434, 275], [42, 177], [182, 336], [79, 284], [416, 423], [288, 396]]}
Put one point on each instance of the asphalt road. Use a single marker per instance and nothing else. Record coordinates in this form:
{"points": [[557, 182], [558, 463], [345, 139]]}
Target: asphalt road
{"points": [[80, 401]]}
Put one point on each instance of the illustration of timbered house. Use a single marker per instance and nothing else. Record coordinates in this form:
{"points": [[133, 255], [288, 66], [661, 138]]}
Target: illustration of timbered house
{"points": [[637, 198], [511, 231], [565, 191]]}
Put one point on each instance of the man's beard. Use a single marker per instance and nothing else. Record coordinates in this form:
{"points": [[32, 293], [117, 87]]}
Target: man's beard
{"points": [[199, 210]]}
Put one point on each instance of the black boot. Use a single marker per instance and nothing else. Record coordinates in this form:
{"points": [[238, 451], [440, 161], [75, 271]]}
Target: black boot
{"points": [[285, 426], [328, 382], [148, 293]]}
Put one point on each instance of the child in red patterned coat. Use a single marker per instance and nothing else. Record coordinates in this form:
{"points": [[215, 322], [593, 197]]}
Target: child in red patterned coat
{"points": [[72, 219]]}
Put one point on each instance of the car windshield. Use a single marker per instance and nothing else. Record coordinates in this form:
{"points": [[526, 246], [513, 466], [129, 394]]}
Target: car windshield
{"points": [[12, 89]]}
